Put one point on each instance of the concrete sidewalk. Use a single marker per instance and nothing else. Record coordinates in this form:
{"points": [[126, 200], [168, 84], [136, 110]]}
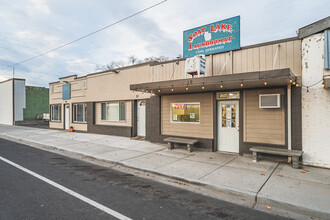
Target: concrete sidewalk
{"points": [[274, 184]]}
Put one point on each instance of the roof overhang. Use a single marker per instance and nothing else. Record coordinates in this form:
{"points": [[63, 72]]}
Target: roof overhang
{"points": [[273, 78]]}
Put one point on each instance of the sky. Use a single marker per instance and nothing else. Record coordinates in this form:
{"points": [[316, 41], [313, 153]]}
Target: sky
{"points": [[32, 27]]}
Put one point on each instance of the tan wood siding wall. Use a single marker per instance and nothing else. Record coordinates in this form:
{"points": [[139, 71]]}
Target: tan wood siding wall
{"points": [[263, 125], [56, 125], [128, 116], [114, 87], [202, 130], [244, 60]]}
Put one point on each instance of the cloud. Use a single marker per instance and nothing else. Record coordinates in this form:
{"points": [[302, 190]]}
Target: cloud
{"points": [[38, 6], [35, 26]]}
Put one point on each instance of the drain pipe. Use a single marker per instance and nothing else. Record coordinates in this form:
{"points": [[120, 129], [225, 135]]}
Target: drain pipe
{"points": [[289, 119]]}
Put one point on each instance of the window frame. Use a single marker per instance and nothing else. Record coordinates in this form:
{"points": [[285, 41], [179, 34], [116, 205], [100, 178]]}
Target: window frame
{"points": [[186, 103], [75, 111], [119, 120], [59, 113]]}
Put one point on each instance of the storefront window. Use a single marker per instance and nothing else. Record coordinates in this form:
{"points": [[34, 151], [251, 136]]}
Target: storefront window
{"points": [[113, 111], [55, 112], [79, 112], [185, 112]]}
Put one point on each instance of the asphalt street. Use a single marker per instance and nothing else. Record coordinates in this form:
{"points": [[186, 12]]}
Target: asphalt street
{"points": [[23, 196]]}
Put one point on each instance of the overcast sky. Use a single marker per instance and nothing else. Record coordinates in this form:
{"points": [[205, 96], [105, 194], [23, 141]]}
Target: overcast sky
{"points": [[31, 27]]}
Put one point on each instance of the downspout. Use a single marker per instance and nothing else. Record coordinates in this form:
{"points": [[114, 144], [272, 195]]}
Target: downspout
{"points": [[289, 116]]}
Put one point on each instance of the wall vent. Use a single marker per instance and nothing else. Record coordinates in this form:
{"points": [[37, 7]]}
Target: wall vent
{"points": [[270, 101]]}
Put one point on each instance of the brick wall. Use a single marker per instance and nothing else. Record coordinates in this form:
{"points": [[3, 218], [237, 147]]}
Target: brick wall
{"points": [[104, 129]]}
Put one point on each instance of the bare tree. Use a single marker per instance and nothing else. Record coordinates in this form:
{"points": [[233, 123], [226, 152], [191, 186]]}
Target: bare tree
{"points": [[131, 61], [110, 66], [157, 59]]}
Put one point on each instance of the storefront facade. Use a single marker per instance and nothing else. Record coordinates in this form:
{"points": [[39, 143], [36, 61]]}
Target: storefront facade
{"points": [[221, 109]]}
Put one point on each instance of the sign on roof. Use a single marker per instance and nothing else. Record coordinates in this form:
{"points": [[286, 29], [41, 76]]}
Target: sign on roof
{"points": [[216, 37]]}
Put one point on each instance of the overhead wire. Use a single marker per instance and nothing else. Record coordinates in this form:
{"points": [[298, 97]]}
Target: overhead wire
{"points": [[87, 35]]}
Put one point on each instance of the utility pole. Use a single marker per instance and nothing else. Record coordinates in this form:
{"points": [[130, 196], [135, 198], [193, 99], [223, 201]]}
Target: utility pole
{"points": [[13, 72]]}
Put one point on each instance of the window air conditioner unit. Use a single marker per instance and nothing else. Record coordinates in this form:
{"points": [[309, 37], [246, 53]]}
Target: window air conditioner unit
{"points": [[270, 101]]}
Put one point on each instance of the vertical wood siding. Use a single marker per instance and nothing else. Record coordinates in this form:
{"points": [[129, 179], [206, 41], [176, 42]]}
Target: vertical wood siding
{"points": [[202, 130], [263, 125]]}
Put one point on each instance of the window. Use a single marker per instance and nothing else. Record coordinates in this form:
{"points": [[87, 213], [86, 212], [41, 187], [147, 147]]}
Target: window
{"points": [[79, 112], [66, 91], [185, 112], [55, 112], [85, 84], [113, 111], [51, 89]]}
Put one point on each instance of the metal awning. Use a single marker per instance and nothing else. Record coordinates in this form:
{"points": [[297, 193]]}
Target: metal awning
{"points": [[270, 78]]}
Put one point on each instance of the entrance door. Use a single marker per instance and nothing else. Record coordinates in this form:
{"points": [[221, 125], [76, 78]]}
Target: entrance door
{"points": [[141, 118], [66, 117], [228, 126]]}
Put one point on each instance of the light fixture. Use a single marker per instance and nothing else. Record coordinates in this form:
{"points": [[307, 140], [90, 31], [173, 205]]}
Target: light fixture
{"points": [[203, 87], [242, 83], [221, 86], [323, 85], [147, 90], [290, 80], [294, 83], [151, 91], [142, 90], [187, 88], [172, 89], [158, 90], [265, 83], [297, 84]]}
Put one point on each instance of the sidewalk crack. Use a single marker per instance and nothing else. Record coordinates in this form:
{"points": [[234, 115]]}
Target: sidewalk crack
{"points": [[218, 167], [256, 197]]}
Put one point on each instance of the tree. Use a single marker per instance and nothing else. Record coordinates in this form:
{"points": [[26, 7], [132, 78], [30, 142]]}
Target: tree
{"points": [[131, 60], [110, 66], [157, 59]]}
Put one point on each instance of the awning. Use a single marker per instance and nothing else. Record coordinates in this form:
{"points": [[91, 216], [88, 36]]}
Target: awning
{"points": [[269, 78]]}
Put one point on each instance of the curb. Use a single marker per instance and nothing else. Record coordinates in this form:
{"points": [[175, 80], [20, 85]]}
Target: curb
{"points": [[247, 199]]}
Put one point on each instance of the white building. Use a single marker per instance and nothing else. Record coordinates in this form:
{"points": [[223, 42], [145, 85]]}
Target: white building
{"points": [[12, 101], [316, 93]]}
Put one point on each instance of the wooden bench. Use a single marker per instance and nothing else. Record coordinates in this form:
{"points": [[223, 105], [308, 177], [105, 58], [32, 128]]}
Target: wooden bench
{"points": [[294, 154], [174, 140]]}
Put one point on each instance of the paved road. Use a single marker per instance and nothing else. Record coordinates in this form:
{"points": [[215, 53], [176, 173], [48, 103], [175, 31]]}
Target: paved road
{"points": [[23, 196]]}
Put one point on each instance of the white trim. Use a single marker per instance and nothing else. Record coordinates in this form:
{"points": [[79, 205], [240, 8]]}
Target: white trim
{"points": [[289, 116], [69, 191], [59, 113], [278, 100], [123, 121], [186, 103], [74, 116]]}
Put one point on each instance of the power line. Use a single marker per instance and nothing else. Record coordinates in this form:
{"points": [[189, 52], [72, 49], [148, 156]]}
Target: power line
{"points": [[87, 35]]}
